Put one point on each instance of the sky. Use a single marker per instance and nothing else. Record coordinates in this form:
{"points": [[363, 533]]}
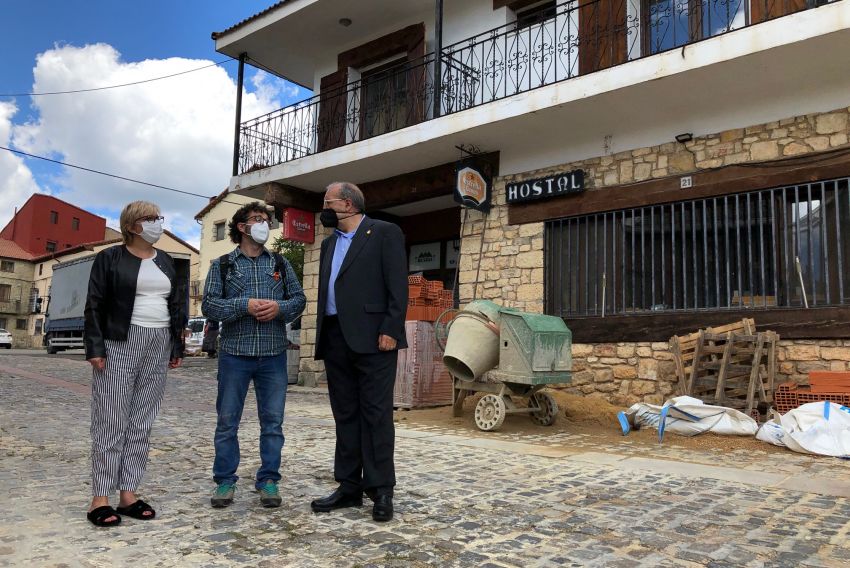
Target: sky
{"points": [[175, 132]]}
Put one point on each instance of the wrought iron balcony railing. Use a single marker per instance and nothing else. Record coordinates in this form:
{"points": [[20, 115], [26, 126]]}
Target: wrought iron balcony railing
{"points": [[499, 63]]}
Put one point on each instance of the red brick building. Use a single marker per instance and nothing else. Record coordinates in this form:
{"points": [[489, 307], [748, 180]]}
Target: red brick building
{"points": [[46, 224]]}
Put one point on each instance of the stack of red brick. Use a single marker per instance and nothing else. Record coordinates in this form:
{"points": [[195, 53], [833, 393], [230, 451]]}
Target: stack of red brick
{"points": [[421, 378], [832, 386], [427, 299]]}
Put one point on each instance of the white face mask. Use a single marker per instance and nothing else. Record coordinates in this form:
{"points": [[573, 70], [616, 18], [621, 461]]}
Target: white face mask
{"points": [[151, 231], [260, 232]]}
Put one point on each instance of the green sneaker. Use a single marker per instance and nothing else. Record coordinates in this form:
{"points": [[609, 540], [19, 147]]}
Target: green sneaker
{"points": [[223, 495], [269, 495]]}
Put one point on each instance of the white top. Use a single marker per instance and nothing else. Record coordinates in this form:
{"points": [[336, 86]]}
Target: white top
{"points": [[152, 290]]}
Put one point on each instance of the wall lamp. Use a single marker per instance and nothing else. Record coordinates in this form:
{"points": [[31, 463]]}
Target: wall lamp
{"points": [[684, 137]]}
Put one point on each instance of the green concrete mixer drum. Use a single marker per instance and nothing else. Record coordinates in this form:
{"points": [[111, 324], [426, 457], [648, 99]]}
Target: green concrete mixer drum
{"points": [[533, 348]]}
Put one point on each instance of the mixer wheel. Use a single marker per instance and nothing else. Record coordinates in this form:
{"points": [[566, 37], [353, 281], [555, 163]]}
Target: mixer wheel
{"points": [[490, 412], [548, 409]]}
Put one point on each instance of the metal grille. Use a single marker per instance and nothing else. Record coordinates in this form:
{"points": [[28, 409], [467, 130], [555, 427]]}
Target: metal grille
{"points": [[783, 247]]}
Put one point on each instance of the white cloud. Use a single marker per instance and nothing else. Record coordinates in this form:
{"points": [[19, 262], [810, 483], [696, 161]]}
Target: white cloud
{"points": [[269, 87], [177, 132], [16, 180]]}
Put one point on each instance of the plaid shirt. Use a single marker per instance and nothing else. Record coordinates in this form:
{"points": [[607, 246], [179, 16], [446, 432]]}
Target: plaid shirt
{"points": [[241, 333]]}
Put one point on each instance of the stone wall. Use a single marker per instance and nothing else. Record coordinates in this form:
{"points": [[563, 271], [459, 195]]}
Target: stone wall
{"points": [[625, 373], [310, 371]]}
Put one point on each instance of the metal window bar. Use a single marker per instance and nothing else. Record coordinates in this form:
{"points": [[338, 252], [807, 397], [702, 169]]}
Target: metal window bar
{"points": [[707, 271]]}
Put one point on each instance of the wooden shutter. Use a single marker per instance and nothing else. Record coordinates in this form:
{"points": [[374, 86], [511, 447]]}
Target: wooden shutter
{"points": [[333, 102], [602, 34], [761, 10]]}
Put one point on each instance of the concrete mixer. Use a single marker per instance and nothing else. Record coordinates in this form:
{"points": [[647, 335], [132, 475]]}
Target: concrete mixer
{"points": [[507, 354]]}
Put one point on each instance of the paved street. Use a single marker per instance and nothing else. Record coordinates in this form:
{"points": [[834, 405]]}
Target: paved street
{"points": [[464, 498]]}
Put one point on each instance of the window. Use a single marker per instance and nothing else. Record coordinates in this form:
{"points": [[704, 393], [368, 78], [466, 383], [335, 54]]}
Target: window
{"points": [[54, 217], [5, 293], [75, 224], [218, 231], [671, 24], [38, 326], [384, 99], [783, 247], [7, 266], [40, 269], [3, 322], [50, 246], [20, 323], [536, 14]]}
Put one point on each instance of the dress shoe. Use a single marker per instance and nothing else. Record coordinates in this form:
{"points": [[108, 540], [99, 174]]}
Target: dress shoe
{"points": [[336, 500], [383, 509]]}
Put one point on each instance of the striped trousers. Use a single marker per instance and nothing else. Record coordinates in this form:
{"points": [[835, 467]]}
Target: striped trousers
{"points": [[126, 397]]}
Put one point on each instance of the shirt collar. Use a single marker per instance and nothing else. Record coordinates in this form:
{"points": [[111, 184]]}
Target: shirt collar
{"points": [[351, 234], [238, 252]]}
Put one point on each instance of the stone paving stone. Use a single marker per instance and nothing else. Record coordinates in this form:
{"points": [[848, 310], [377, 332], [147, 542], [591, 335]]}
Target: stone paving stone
{"points": [[455, 505]]}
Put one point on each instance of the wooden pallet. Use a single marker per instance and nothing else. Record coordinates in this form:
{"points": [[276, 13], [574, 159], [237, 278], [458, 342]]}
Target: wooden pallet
{"points": [[684, 349], [730, 365]]}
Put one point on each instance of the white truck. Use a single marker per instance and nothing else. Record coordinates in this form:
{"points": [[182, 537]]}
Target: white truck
{"points": [[66, 301]]}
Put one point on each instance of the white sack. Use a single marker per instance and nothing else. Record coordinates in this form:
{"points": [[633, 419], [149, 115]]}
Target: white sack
{"points": [[821, 428], [687, 416]]}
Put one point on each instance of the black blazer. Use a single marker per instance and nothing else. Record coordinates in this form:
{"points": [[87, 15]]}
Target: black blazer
{"points": [[371, 288], [112, 295]]}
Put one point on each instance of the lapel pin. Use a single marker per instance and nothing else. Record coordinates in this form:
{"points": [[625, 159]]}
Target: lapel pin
{"points": [[369, 232]]}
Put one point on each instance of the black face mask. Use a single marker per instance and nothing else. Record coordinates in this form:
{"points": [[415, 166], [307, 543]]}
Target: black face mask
{"points": [[329, 219]]}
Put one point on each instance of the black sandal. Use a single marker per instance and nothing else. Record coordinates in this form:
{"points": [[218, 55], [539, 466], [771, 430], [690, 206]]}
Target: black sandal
{"points": [[98, 516], [137, 510]]}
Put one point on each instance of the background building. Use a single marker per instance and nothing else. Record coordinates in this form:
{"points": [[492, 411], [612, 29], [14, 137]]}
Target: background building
{"points": [[47, 224], [705, 151], [16, 276]]}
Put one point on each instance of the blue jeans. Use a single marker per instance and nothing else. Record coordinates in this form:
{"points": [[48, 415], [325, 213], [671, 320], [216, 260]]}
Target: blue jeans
{"points": [[235, 373]]}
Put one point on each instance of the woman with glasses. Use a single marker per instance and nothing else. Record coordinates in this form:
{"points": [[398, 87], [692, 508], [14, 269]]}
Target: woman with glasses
{"points": [[134, 320]]}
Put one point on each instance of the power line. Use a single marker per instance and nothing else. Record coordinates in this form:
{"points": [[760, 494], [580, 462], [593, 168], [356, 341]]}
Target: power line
{"points": [[98, 172], [104, 173], [116, 86]]}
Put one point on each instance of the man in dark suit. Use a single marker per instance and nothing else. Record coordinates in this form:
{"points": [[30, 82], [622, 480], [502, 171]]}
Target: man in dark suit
{"points": [[360, 327]]}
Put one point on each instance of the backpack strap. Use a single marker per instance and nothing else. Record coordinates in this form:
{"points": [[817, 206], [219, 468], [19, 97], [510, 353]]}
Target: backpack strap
{"points": [[280, 268], [224, 266]]}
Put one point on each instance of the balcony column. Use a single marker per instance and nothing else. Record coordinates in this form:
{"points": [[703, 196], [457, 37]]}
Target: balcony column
{"points": [[438, 57], [239, 82]]}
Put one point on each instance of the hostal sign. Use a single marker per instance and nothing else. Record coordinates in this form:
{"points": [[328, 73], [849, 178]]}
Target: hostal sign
{"points": [[545, 187]]}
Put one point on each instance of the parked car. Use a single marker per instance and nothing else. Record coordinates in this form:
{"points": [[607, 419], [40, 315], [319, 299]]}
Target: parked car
{"points": [[5, 339], [194, 335]]}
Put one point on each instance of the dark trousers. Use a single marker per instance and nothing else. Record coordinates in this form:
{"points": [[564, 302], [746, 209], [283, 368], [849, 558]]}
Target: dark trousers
{"points": [[361, 392]]}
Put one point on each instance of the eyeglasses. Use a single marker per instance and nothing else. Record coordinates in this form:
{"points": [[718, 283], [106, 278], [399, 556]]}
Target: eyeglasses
{"points": [[338, 199], [257, 219], [150, 219]]}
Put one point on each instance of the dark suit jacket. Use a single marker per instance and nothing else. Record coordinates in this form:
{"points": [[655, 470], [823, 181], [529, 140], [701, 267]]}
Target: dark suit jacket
{"points": [[371, 288]]}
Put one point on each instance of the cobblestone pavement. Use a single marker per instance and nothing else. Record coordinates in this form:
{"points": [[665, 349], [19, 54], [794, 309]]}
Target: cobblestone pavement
{"points": [[463, 498]]}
